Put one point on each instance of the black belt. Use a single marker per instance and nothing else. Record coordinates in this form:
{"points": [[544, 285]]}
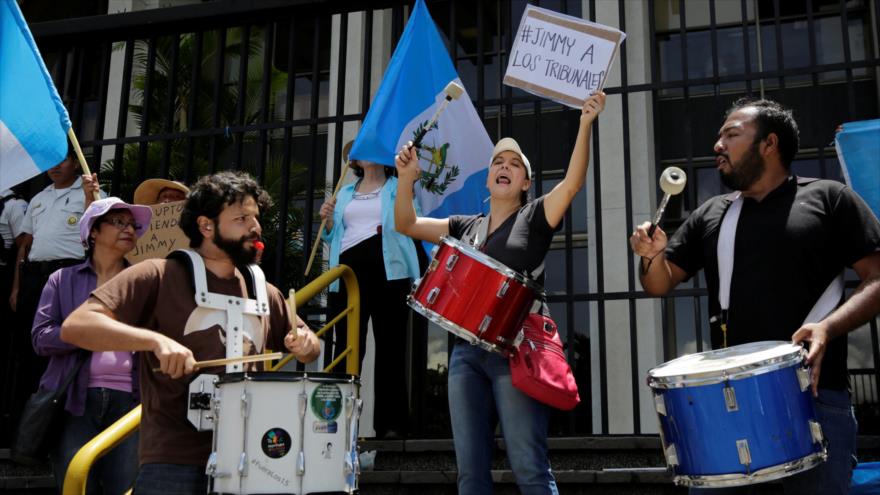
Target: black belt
{"points": [[46, 268]]}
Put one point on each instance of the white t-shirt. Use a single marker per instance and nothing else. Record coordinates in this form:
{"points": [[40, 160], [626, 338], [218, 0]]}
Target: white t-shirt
{"points": [[362, 217]]}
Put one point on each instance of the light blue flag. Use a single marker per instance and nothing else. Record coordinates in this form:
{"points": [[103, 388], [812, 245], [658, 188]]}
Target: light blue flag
{"points": [[33, 120], [457, 152], [858, 149]]}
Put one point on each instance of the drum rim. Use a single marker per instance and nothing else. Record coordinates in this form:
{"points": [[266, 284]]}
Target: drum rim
{"points": [[494, 264], [287, 376], [447, 325], [770, 473], [740, 372]]}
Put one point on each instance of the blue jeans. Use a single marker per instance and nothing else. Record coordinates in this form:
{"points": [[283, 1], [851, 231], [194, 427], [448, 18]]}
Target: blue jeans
{"points": [[113, 473], [171, 479], [481, 393], [832, 477]]}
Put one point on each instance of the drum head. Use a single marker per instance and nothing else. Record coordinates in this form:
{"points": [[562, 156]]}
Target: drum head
{"points": [[725, 364]]}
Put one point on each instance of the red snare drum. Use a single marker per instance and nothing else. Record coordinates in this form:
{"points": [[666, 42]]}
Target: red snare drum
{"points": [[473, 296]]}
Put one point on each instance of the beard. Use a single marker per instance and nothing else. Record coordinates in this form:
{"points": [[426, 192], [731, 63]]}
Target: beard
{"points": [[235, 249], [746, 171]]}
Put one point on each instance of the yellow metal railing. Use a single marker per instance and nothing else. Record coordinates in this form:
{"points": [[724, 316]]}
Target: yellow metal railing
{"points": [[85, 458]]}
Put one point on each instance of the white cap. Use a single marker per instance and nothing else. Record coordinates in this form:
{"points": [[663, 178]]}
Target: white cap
{"points": [[510, 144]]}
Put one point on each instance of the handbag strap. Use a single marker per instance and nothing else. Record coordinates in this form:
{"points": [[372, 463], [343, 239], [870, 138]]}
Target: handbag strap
{"points": [[80, 360], [726, 243]]}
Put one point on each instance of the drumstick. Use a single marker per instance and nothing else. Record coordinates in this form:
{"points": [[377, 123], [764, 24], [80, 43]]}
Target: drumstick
{"points": [[291, 306], [335, 192], [234, 360]]}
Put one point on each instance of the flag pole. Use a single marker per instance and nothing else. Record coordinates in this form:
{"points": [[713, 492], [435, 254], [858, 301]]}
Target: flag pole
{"points": [[80, 157], [317, 243]]}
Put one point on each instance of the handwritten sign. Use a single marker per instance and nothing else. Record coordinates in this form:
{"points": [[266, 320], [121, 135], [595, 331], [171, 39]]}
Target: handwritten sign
{"points": [[163, 236], [560, 57]]}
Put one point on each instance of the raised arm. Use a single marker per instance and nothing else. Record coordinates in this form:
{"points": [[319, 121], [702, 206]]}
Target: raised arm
{"points": [[405, 219], [93, 326], [558, 200]]}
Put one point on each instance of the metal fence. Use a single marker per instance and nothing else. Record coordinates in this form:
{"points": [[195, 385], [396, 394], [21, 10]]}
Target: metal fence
{"points": [[264, 87]]}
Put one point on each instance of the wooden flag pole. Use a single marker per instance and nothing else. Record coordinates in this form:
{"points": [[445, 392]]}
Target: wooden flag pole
{"points": [[81, 157], [317, 243]]}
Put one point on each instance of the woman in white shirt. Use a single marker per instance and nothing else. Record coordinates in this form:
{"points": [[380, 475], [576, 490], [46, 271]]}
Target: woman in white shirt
{"points": [[361, 234]]}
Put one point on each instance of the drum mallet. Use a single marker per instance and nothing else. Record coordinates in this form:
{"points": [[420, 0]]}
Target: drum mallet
{"points": [[453, 90], [672, 182]]}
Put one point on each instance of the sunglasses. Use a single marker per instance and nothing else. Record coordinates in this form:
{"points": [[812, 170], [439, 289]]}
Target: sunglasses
{"points": [[122, 224]]}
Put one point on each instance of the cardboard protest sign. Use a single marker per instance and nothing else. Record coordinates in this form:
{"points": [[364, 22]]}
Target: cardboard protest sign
{"points": [[163, 236], [561, 57]]}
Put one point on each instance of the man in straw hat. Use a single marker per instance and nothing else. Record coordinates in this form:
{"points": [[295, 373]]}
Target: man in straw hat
{"points": [[150, 308], [158, 191]]}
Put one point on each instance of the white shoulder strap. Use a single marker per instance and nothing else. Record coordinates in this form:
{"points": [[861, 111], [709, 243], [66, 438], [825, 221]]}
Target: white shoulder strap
{"points": [[726, 241], [200, 281]]}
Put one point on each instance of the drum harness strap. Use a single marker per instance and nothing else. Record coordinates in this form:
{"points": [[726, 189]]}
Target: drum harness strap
{"points": [[239, 317], [726, 242]]}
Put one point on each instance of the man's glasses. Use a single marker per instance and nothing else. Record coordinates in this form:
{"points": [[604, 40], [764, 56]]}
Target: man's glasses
{"points": [[122, 224]]}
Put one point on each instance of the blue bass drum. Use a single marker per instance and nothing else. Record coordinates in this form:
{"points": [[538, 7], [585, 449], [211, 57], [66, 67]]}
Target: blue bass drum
{"points": [[737, 416]]}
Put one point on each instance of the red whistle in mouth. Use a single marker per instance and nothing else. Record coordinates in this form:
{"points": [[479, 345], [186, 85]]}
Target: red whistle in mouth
{"points": [[259, 245]]}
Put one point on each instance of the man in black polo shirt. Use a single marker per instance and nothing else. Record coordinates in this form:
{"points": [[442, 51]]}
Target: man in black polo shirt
{"points": [[793, 237]]}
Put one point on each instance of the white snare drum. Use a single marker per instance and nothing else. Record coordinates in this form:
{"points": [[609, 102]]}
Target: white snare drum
{"points": [[285, 433]]}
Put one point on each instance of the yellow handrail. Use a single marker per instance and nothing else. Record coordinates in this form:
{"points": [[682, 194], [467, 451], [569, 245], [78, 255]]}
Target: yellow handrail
{"points": [[78, 470]]}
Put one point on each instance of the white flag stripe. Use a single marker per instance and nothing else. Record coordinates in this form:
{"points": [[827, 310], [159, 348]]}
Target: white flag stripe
{"points": [[16, 165]]}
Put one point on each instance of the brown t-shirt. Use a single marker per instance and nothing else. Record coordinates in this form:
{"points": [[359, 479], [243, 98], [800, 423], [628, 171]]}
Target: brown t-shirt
{"points": [[158, 294]]}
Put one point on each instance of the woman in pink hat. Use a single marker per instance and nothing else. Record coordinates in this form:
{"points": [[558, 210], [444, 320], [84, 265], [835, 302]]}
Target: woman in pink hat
{"points": [[516, 232], [105, 386]]}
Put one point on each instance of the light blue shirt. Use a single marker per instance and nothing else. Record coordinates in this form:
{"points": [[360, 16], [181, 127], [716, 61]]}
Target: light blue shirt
{"points": [[398, 250]]}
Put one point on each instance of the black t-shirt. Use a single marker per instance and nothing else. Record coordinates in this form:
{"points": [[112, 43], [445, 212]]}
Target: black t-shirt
{"points": [[788, 248], [520, 243]]}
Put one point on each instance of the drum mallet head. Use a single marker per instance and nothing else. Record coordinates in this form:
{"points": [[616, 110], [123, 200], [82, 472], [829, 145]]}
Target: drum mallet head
{"points": [[672, 182], [453, 90]]}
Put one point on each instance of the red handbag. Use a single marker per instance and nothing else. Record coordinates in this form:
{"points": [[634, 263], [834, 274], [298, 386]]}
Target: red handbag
{"points": [[538, 366]]}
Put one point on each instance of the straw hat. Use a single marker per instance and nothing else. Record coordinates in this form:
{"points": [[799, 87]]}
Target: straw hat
{"points": [[148, 192]]}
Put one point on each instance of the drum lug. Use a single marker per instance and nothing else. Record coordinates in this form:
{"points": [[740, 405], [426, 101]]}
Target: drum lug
{"points": [[803, 375], [503, 289], [484, 325], [451, 261], [671, 455], [745, 456], [242, 464], [303, 403], [730, 399], [245, 405], [349, 405], [660, 404], [301, 464], [211, 468], [432, 295], [433, 265], [816, 432]]}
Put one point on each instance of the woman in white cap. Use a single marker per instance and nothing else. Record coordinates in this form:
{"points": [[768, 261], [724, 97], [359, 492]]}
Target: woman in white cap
{"points": [[518, 235], [105, 386]]}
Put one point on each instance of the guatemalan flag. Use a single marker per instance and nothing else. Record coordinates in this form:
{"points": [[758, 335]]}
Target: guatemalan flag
{"points": [[33, 120], [457, 152], [858, 149]]}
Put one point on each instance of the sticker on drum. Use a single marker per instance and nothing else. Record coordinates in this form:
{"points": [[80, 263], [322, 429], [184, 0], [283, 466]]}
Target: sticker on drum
{"points": [[276, 443], [327, 401], [737, 416]]}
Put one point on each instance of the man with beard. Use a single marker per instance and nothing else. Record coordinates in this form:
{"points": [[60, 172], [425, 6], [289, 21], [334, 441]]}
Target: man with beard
{"points": [[147, 308], [793, 237]]}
